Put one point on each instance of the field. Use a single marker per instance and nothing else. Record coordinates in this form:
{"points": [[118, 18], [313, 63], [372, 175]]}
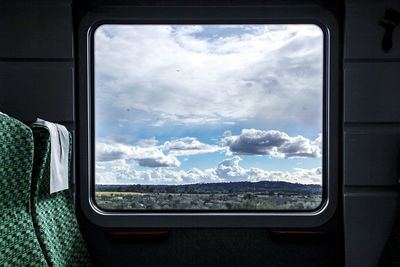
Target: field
{"points": [[197, 198]]}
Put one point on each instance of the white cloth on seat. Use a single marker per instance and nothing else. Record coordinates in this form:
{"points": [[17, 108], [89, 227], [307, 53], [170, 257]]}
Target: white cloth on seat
{"points": [[59, 152]]}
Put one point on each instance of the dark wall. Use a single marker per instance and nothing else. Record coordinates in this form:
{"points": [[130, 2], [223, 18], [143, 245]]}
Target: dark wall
{"points": [[37, 60], [37, 70], [371, 131]]}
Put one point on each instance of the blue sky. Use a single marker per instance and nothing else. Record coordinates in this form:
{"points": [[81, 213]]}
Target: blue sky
{"points": [[216, 103]]}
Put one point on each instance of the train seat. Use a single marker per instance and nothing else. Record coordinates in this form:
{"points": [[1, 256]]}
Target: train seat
{"points": [[19, 245], [54, 214]]}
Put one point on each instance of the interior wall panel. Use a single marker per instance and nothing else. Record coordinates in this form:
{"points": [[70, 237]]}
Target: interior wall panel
{"points": [[372, 92], [31, 90], [372, 158], [372, 136], [369, 214], [363, 34], [35, 31]]}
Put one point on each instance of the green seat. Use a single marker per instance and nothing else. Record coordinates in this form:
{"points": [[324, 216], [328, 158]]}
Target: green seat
{"points": [[54, 214], [19, 245]]}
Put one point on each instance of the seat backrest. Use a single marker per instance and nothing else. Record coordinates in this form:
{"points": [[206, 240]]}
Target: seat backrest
{"points": [[18, 242], [54, 214]]}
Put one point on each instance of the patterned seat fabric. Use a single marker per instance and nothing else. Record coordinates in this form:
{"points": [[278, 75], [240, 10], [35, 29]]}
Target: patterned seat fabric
{"points": [[18, 242], [54, 214]]}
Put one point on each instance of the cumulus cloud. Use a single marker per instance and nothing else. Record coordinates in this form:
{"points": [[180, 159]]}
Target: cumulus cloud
{"points": [[318, 140], [147, 153], [189, 146], [228, 170], [273, 143], [145, 156]]}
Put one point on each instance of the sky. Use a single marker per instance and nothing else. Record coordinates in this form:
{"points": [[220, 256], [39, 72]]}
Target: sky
{"points": [[182, 104]]}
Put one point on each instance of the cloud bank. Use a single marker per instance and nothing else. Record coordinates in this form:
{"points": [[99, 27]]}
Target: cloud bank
{"points": [[228, 170], [148, 154], [273, 143]]}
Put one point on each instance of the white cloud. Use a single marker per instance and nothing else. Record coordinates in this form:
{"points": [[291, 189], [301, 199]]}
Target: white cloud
{"points": [[122, 172], [145, 156], [189, 146], [265, 73], [147, 153], [273, 143], [318, 140], [313, 176], [228, 170]]}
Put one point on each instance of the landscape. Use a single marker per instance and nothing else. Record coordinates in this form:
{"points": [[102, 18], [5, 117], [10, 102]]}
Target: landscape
{"points": [[264, 195]]}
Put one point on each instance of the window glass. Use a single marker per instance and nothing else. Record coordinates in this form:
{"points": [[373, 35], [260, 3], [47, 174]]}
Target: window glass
{"points": [[208, 117]]}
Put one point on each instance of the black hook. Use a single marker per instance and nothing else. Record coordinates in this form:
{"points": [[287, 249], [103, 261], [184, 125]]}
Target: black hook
{"points": [[389, 21]]}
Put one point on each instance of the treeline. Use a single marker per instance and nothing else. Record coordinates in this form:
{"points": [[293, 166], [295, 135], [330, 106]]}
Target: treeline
{"points": [[225, 188]]}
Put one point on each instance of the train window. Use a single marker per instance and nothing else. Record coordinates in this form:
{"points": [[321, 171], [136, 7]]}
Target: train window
{"points": [[208, 117]]}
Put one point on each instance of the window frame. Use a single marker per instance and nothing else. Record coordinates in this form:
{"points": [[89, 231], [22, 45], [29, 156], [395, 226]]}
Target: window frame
{"points": [[310, 14]]}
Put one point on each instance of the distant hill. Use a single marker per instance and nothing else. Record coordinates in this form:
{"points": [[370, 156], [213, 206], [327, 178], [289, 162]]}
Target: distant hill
{"points": [[231, 187]]}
